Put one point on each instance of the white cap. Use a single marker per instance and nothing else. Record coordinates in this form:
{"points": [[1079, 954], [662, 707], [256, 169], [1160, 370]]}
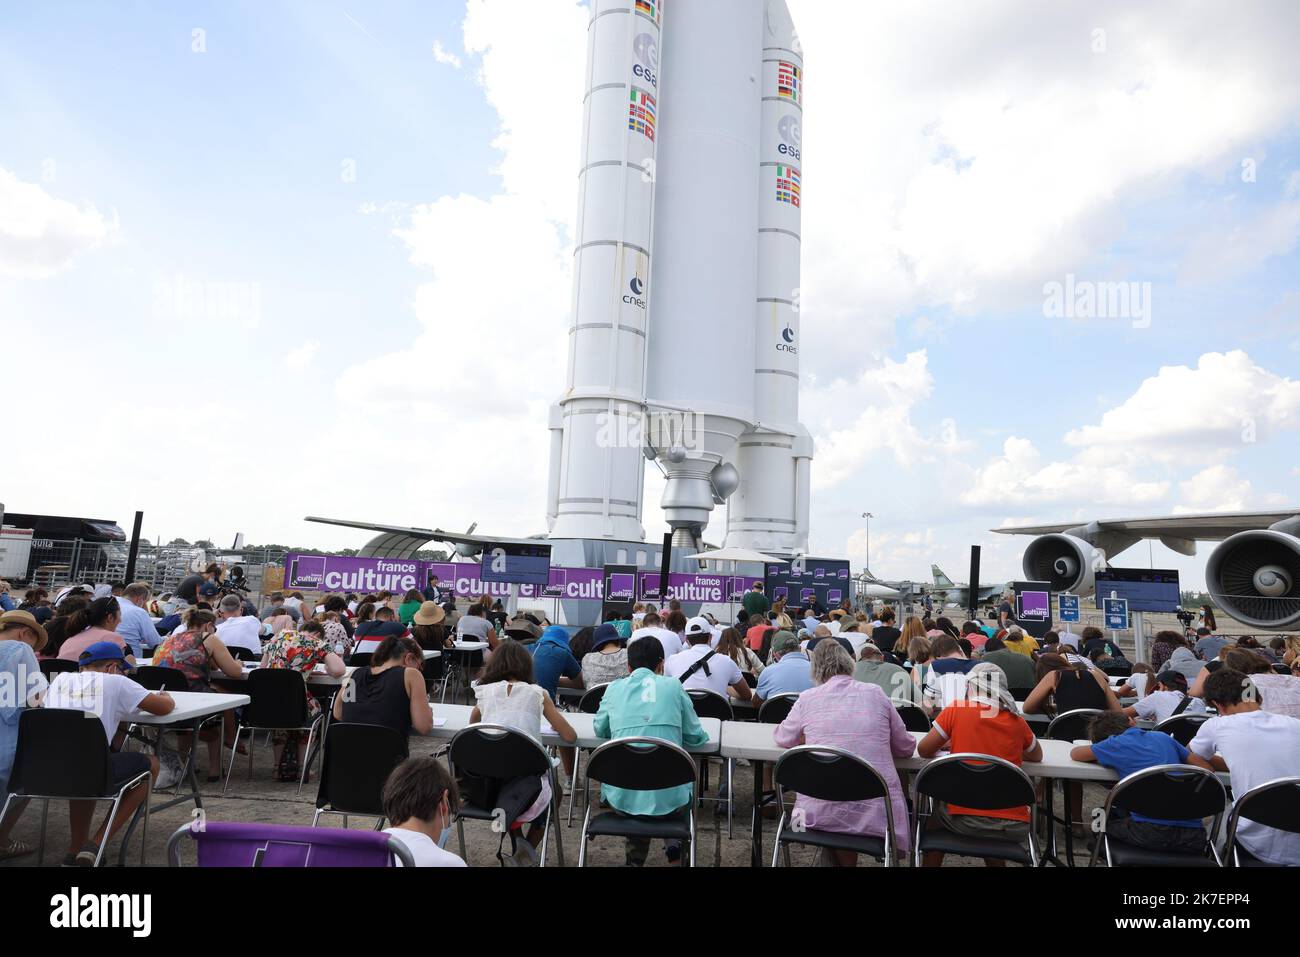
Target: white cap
{"points": [[698, 626]]}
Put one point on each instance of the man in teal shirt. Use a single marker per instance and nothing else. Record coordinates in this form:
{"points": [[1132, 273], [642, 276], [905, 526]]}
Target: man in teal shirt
{"points": [[646, 704]]}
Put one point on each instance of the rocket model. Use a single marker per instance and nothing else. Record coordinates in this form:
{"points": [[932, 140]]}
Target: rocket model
{"points": [[684, 342]]}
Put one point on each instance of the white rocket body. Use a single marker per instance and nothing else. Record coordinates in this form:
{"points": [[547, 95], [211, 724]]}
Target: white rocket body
{"points": [[684, 342]]}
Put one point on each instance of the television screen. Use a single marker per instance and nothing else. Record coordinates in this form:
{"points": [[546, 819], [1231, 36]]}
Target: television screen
{"points": [[1147, 589], [516, 564]]}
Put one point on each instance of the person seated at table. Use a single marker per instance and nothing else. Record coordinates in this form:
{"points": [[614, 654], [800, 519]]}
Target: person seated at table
{"points": [[419, 798], [607, 659], [1281, 693], [301, 650], [21, 638], [369, 634], [101, 688], [390, 691], [1022, 644], [732, 644], [789, 673], [96, 622], [194, 652], [474, 626], [506, 695], [985, 722], [411, 603], [859, 717], [652, 625], [1126, 749], [1064, 686], [648, 704], [973, 633], [918, 655], [1018, 669], [235, 629], [700, 666], [1167, 698], [946, 680], [893, 680], [1254, 746], [1138, 683]]}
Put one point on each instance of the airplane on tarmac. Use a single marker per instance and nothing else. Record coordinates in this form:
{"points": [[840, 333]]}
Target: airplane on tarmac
{"points": [[958, 593]]}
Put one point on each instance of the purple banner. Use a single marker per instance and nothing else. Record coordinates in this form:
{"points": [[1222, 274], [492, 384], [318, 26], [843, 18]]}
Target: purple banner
{"points": [[334, 573]]}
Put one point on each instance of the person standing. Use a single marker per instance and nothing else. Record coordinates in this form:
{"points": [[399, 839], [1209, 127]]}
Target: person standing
{"points": [[755, 602]]}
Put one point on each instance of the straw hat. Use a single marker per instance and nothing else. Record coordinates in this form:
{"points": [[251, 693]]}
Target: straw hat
{"points": [[430, 613], [27, 620]]}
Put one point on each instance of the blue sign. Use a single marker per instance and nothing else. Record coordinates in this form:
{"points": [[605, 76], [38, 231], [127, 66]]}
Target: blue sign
{"points": [[1069, 607], [1116, 610]]}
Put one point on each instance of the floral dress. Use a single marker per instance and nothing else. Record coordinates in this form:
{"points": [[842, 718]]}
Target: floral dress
{"points": [[185, 652], [300, 650]]}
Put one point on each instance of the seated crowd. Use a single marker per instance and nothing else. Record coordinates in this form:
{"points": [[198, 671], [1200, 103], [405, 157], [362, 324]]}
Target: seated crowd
{"points": [[852, 672]]}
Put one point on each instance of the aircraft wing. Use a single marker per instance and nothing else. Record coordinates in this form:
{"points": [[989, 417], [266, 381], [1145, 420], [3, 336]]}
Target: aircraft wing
{"points": [[1207, 526], [399, 541]]}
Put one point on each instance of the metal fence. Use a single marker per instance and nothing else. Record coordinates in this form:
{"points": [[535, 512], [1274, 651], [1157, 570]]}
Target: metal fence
{"points": [[55, 563]]}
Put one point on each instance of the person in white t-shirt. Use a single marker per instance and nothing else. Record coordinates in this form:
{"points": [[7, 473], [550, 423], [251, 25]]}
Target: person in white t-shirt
{"points": [[235, 629], [1167, 699], [418, 798], [700, 666], [1254, 746], [101, 689], [652, 626]]}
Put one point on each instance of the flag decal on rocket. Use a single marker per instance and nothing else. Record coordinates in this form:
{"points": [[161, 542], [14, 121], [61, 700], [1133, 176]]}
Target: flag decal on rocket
{"points": [[650, 8], [788, 77], [787, 185], [641, 113]]}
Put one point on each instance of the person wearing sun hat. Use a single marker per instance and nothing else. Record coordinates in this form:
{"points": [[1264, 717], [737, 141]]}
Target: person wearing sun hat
{"points": [[21, 637], [607, 660]]}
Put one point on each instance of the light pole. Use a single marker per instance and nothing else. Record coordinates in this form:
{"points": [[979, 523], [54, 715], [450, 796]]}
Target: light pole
{"points": [[867, 540]]}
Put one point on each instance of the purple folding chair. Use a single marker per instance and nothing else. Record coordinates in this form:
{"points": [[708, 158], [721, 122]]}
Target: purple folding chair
{"points": [[227, 844]]}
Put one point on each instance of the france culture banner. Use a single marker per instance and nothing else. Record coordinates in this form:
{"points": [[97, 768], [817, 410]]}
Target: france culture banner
{"points": [[334, 573]]}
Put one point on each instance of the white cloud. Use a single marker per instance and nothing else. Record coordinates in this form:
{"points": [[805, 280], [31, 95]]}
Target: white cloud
{"points": [[1015, 153], [885, 397], [443, 56], [1224, 404], [1019, 476], [1217, 488], [39, 234], [302, 357]]}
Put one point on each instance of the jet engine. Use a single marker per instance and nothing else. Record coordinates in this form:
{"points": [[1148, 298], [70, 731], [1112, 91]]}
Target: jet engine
{"points": [[1069, 563], [1255, 577]]}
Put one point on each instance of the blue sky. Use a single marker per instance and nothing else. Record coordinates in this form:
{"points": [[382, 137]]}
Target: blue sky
{"points": [[401, 220]]}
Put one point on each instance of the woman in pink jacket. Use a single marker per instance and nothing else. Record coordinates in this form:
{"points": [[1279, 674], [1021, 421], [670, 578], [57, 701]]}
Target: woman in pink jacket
{"points": [[859, 718]]}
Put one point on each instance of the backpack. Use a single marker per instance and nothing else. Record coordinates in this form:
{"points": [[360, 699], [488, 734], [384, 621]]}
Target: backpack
{"points": [[288, 769]]}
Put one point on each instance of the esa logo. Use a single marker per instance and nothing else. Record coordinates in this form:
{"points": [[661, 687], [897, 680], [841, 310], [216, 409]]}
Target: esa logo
{"points": [[791, 134], [787, 342], [637, 297], [647, 51]]}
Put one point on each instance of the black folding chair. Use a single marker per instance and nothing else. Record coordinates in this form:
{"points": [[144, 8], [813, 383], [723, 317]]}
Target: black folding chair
{"points": [[1272, 804], [244, 654], [1067, 726], [358, 760], [710, 704], [62, 755], [831, 774], [501, 754], [588, 704], [56, 666], [277, 702], [1183, 727], [360, 659], [1177, 792], [978, 781], [160, 679], [914, 718], [642, 764]]}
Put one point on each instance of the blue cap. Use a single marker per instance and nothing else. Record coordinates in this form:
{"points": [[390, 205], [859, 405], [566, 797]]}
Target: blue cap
{"points": [[605, 634], [101, 651], [208, 588]]}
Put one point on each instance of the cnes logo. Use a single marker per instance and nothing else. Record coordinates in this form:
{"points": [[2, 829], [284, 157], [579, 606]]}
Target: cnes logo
{"points": [[76, 910]]}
